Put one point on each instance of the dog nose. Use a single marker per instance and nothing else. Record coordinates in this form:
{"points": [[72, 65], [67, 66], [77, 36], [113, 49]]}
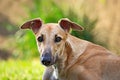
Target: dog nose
{"points": [[46, 61], [46, 58]]}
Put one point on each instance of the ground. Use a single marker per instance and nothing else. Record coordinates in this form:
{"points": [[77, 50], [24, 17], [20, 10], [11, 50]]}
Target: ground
{"points": [[21, 70]]}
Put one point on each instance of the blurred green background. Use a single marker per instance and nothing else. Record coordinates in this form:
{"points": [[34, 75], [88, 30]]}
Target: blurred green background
{"points": [[19, 57]]}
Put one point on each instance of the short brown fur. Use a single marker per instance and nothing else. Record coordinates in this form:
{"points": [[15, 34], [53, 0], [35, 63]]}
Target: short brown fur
{"points": [[73, 58]]}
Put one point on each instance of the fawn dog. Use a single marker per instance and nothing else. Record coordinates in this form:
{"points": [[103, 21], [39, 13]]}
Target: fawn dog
{"points": [[69, 58]]}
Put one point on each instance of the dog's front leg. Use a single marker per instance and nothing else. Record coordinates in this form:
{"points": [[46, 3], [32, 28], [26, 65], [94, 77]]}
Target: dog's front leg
{"points": [[48, 74]]}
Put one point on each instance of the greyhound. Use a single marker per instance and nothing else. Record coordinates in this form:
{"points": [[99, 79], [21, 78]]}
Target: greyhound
{"points": [[69, 58]]}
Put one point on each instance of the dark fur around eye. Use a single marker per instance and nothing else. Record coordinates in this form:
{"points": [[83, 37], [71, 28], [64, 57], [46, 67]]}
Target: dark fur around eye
{"points": [[40, 38], [57, 39]]}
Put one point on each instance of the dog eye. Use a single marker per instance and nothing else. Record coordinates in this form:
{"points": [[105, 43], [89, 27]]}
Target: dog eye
{"points": [[40, 38], [58, 39]]}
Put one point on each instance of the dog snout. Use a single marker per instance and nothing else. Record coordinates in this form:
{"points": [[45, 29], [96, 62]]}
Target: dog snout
{"points": [[46, 59]]}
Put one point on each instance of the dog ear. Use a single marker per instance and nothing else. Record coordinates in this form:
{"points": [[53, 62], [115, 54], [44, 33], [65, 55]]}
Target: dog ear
{"points": [[66, 24], [34, 25]]}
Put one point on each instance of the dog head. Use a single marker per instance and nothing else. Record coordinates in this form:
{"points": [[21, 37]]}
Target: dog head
{"points": [[50, 37]]}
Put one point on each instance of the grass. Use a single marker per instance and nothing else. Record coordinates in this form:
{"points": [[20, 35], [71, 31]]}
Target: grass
{"points": [[21, 70]]}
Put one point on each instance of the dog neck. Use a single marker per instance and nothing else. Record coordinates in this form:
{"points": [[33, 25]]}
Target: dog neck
{"points": [[78, 47], [72, 50]]}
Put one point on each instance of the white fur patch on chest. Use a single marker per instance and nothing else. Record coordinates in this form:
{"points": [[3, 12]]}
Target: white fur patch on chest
{"points": [[55, 73]]}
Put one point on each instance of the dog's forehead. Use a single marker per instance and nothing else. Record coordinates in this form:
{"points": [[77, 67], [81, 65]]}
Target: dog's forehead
{"points": [[51, 28]]}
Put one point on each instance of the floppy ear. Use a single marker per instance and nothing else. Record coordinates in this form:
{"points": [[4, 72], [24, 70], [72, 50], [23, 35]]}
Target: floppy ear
{"points": [[66, 24], [34, 24]]}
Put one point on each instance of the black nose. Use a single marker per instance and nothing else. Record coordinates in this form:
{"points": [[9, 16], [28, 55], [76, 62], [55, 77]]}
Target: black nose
{"points": [[46, 58], [46, 61]]}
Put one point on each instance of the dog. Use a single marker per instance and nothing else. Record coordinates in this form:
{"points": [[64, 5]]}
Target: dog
{"points": [[69, 58]]}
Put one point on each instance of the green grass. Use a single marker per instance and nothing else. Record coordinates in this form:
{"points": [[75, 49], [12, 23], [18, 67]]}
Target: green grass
{"points": [[21, 70]]}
